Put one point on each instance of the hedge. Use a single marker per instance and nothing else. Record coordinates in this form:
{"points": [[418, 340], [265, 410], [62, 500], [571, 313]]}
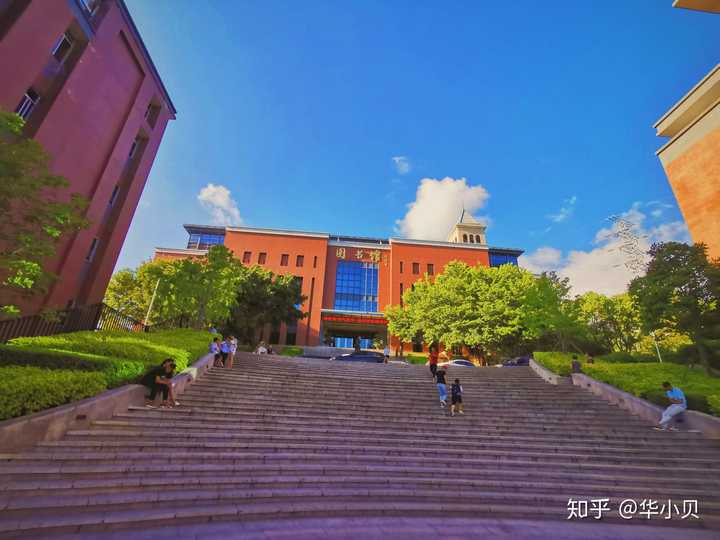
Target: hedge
{"points": [[25, 390], [557, 362], [291, 351], [117, 371]]}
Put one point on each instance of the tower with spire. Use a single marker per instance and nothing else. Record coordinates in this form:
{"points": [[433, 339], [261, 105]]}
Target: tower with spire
{"points": [[467, 230]]}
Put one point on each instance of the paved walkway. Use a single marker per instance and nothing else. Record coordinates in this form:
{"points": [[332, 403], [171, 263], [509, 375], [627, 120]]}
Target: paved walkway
{"points": [[402, 529]]}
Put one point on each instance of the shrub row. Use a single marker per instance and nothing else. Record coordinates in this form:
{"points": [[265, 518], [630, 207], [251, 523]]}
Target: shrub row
{"points": [[25, 390], [116, 371]]}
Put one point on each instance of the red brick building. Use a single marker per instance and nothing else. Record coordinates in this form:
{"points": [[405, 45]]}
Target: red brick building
{"points": [[80, 75], [348, 281]]}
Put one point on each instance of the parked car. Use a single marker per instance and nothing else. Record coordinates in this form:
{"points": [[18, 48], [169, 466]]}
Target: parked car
{"points": [[361, 356], [459, 362], [519, 361]]}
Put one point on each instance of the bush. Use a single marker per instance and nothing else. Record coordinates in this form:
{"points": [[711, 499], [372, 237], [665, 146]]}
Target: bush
{"points": [[626, 358], [291, 351], [696, 402], [714, 404], [25, 390], [557, 362], [115, 370]]}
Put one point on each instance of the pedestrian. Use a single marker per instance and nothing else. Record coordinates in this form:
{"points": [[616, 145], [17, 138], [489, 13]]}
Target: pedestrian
{"points": [[575, 364], [215, 351], [678, 404], [225, 350], [442, 389], [386, 352], [159, 380], [433, 361], [457, 392], [231, 354]]}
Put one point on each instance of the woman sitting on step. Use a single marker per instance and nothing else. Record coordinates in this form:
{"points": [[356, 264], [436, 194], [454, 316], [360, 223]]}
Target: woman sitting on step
{"points": [[159, 380]]}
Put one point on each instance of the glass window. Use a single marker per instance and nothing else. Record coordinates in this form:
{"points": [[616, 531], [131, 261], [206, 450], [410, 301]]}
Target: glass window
{"points": [[401, 294], [472, 239], [498, 259], [62, 47], [356, 286], [401, 267], [246, 257], [465, 238], [284, 259], [416, 268], [315, 261], [262, 257], [204, 241], [431, 269], [27, 103], [477, 239], [300, 261]]}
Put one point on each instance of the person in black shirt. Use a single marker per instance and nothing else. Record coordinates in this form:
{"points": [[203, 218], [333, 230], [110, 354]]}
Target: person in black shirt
{"points": [[457, 392], [442, 389], [159, 379]]}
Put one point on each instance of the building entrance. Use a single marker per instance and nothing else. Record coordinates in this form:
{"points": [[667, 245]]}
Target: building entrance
{"points": [[353, 330]]}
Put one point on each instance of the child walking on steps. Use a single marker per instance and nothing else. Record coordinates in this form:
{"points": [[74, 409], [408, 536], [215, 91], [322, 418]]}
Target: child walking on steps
{"points": [[457, 392]]}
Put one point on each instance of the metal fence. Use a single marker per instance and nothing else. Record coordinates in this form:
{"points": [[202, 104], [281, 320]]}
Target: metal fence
{"points": [[92, 317]]}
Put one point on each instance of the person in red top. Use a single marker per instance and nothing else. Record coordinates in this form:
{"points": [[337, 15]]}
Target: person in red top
{"points": [[433, 361]]}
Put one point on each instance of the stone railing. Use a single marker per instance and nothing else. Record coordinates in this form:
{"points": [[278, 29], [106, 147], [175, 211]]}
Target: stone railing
{"points": [[549, 376], [51, 425]]}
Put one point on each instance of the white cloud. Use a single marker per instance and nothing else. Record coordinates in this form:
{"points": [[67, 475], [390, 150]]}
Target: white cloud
{"points": [[566, 210], [437, 207], [217, 200], [616, 260], [402, 164], [544, 259]]}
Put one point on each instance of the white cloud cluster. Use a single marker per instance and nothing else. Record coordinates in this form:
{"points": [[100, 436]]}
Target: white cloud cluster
{"points": [[217, 200], [437, 207], [608, 268], [402, 164]]}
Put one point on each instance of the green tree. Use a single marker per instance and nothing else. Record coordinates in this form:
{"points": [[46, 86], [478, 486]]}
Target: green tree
{"points": [[681, 290], [37, 214], [477, 307], [550, 313], [264, 298], [401, 323], [613, 322]]}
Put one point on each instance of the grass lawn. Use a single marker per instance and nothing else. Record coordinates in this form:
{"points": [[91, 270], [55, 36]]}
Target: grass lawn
{"points": [[83, 364], [644, 379]]}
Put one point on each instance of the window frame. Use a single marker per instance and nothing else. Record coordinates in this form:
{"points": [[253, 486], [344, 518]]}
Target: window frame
{"points": [[416, 269], [284, 259]]}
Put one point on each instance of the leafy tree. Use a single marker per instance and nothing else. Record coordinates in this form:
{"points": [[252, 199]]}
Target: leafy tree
{"points": [[401, 323], [37, 213], [477, 307], [613, 322], [681, 290], [551, 314], [263, 298]]}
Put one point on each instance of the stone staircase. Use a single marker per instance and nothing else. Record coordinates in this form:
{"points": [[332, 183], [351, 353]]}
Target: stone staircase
{"points": [[280, 438]]}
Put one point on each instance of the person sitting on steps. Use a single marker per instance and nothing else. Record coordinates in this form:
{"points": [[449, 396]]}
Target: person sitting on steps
{"points": [[159, 379], [678, 404]]}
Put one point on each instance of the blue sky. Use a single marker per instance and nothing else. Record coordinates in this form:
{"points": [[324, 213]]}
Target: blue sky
{"points": [[298, 109]]}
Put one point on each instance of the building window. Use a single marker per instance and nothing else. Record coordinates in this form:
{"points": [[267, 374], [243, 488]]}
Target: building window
{"points": [[27, 103], [151, 113], [431, 269], [114, 194], [315, 261], [498, 259], [246, 257], [134, 147], [401, 294], [477, 239], [204, 240], [284, 259], [356, 286], [262, 257], [401, 267], [472, 239], [92, 250], [465, 238], [62, 48], [300, 261], [291, 334], [416, 268], [90, 5]]}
